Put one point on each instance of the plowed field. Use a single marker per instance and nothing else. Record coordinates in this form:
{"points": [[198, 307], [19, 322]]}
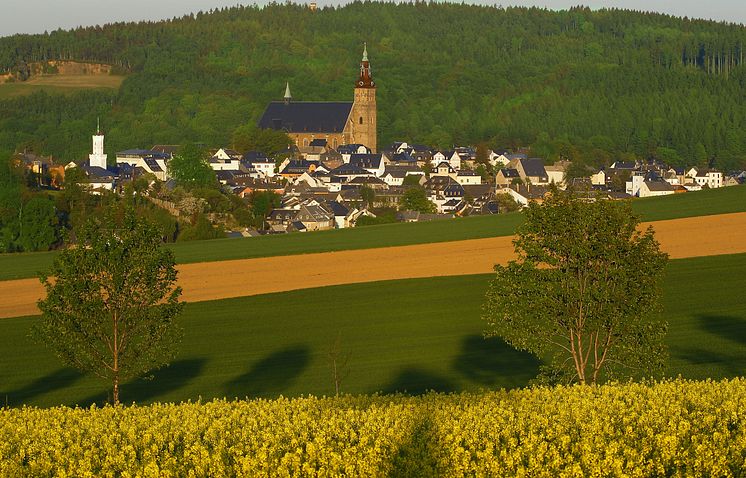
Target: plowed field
{"points": [[680, 238]]}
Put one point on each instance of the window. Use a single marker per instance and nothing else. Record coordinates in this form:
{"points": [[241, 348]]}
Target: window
{"points": [[305, 142], [361, 120]]}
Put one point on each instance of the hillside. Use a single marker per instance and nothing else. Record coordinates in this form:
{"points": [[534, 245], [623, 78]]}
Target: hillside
{"points": [[583, 84]]}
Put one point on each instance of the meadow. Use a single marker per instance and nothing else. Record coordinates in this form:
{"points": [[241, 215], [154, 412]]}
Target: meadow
{"points": [[716, 201], [407, 335], [59, 84]]}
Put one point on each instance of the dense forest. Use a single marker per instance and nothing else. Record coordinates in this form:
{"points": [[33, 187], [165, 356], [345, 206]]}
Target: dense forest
{"points": [[607, 83]]}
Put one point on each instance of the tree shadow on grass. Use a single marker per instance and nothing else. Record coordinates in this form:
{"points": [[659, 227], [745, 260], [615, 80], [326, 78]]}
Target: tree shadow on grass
{"points": [[720, 359], [415, 381], [415, 457], [491, 362], [60, 378], [272, 375], [165, 380], [727, 327]]}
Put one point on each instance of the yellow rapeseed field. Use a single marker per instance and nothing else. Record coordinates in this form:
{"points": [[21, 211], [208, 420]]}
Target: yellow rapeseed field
{"points": [[673, 428]]}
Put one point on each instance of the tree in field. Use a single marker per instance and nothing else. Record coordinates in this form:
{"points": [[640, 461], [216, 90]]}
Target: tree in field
{"points": [[111, 301], [415, 199], [583, 293], [189, 167]]}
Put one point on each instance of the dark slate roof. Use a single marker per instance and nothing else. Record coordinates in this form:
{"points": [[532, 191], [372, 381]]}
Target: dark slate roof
{"points": [[534, 167], [313, 117], [658, 186], [98, 173], [338, 209], [349, 169], [153, 165], [349, 148], [144, 153], [510, 173], [403, 158], [372, 161], [255, 156]]}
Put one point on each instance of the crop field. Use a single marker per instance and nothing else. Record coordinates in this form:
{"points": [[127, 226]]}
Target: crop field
{"points": [[61, 84], [672, 428], [716, 201], [406, 335]]}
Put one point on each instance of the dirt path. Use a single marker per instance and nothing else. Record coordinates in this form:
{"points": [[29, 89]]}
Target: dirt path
{"points": [[681, 238]]}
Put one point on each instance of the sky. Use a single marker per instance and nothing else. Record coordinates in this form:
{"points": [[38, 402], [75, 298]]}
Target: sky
{"points": [[37, 16]]}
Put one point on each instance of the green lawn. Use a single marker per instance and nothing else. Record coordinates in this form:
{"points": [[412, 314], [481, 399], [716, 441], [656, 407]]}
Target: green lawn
{"points": [[428, 336], [60, 84], [725, 200]]}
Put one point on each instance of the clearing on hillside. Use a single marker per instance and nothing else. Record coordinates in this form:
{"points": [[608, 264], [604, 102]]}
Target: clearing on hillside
{"points": [[61, 84]]}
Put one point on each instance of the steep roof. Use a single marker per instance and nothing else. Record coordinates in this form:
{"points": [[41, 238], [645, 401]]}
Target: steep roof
{"points": [[534, 167], [311, 117]]}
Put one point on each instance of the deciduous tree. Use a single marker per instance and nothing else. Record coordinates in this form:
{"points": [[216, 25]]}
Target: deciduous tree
{"points": [[112, 301], [583, 293]]}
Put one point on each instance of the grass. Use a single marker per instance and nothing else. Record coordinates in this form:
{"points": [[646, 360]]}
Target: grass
{"points": [[427, 336], [724, 200], [59, 84]]}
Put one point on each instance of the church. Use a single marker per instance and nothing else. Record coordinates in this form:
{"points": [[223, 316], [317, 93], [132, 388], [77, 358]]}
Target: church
{"points": [[337, 122]]}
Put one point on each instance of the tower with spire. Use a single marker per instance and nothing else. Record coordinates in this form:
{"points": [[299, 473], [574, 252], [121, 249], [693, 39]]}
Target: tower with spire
{"points": [[98, 158], [288, 97], [364, 117]]}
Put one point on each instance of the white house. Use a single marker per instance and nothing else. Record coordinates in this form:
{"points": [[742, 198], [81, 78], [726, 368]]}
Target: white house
{"points": [[655, 188], [374, 163], [150, 161], [466, 177], [451, 157]]}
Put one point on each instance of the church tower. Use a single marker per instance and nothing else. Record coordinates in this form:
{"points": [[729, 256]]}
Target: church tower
{"points": [[98, 158], [363, 114]]}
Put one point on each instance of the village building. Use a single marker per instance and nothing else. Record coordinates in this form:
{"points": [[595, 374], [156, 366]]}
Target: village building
{"points": [[337, 122]]}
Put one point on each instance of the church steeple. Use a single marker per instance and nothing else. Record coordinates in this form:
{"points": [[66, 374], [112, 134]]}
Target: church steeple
{"points": [[287, 96], [366, 78]]}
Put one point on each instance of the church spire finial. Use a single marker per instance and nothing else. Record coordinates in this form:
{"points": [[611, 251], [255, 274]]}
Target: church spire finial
{"points": [[365, 51], [98, 125], [287, 96]]}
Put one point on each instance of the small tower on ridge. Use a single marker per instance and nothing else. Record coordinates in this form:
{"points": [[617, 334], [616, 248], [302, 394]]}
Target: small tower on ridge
{"points": [[364, 115], [98, 158], [288, 97]]}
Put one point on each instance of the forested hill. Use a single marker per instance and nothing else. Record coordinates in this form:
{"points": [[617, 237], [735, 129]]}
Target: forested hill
{"points": [[603, 81]]}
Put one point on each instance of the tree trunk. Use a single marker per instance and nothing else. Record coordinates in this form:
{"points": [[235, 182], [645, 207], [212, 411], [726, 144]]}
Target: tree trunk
{"points": [[115, 391]]}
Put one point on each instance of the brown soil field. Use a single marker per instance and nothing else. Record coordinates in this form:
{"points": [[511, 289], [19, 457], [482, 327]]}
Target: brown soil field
{"points": [[680, 238]]}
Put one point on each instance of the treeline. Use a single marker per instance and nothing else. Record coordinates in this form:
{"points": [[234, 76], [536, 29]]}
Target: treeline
{"points": [[619, 82]]}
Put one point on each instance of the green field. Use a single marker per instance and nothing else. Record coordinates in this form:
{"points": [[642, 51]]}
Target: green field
{"points": [[427, 337], [59, 84], [725, 200]]}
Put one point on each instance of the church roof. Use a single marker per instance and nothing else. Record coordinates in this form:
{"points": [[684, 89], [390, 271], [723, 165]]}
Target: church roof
{"points": [[306, 117]]}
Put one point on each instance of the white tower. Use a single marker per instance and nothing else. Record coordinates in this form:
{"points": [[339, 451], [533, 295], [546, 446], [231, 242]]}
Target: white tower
{"points": [[98, 158]]}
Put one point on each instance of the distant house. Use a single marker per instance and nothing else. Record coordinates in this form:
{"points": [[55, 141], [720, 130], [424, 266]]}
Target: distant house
{"points": [[350, 171], [556, 172], [394, 175], [523, 194], [373, 163], [293, 168], [97, 178], [467, 177], [260, 162], [347, 150], [506, 177], [451, 157], [530, 170], [150, 161], [655, 188]]}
